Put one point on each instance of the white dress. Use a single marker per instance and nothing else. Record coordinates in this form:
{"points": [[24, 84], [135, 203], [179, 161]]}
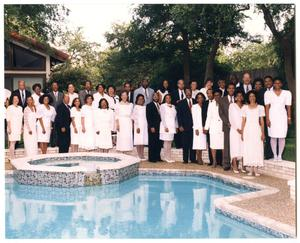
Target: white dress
{"points": [[194, 93], [14, 115], [168, 115], [278, 112], [162, 94], [253, 146], [199, 142], [97, 97], [36, 98], [140, 121], [215, 126], [47, 116], [104, 122], [124, 135], [87, 139], [75, 137], [72, 97], [30, 140], [235, 138]]}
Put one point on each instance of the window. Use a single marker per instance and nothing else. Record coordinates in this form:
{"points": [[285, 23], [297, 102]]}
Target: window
{"points": [[25, 59]]}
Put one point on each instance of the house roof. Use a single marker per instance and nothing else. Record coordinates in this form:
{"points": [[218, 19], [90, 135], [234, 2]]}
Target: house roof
{"points": [[60, 55]]}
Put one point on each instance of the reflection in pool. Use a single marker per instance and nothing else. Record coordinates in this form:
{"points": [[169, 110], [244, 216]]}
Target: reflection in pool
{"points": [[142, 207]]}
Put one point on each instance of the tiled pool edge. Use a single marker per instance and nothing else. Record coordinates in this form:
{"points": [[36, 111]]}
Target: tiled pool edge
{"points": [[224, 205]]}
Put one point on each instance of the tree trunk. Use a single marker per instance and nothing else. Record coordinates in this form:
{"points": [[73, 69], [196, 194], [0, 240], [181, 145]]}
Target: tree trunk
{"points": [[186, 58], [209, 71]]}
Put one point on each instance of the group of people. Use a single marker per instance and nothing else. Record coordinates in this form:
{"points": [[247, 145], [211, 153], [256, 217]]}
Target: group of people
{"points": [[238, 122]]}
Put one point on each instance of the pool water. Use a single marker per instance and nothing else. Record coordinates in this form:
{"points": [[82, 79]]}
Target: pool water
{"points": [[142, 207]]}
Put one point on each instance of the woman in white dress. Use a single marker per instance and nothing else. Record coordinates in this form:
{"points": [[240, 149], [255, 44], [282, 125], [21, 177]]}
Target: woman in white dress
{"points": [[168, 126], [235, 138], [140, 126], [214, 125], [30, 131], [199, 137], [45, 115], [14, 118], [87, 137], [37, 88], [75, 126], [72, 94], [124, 124], [278, 116], [253, 135], [163, 90], [104, 124], [208, 84]]}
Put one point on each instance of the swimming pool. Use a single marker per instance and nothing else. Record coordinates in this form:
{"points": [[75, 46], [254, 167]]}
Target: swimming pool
{"points": [[145, 206]]}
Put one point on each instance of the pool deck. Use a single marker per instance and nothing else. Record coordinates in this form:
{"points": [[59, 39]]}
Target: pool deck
{"points": [[276, 206]]}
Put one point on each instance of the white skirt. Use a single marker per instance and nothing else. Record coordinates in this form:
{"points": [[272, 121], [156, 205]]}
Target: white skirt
{"points": [[166, 136], [30, 142], [125, 135], [236, 144], [104, 139], [142, 137], [75, 137], [216, 140], [199, 142], [43, 138], [14, 136]]}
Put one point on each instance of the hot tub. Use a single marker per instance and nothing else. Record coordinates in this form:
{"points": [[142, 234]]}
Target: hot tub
{"points": [[75, 169]]}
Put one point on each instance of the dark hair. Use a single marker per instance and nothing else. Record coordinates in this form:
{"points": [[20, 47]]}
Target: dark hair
{"points": [[230, 85], [98, 85], [217, 91], [238, 91], [164, 100], [208, 79], [87, 96], [246, 72], [87, 81], [70, 84], [127, 82], [193, 81], [73, 102], [41, 99], [54, 82], [258, 80], [36, 85], [138, 96], [278, 79], [124, 91], [268, 76], [249, 93], [12, 98], [200, 94], [111, 86], [162, 88], [103, 99]]}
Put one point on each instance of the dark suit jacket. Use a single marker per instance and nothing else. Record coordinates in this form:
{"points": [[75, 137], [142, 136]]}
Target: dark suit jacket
{"points": [[260, 96], [82, 94], [184, 115], [241, 88], [223, 112], [204, 111], [175, 96], [63, 118], [131, 96], [17, 93], [57, 102], [153, 116]]}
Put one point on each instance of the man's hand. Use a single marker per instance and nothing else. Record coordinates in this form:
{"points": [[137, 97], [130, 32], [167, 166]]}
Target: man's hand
{"points": [[181, 129], [152, 129], [63, 129]]}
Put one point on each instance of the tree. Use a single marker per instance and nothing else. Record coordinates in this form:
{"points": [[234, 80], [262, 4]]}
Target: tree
{"points": [[280, 18], [83, 63], [39, 21]]}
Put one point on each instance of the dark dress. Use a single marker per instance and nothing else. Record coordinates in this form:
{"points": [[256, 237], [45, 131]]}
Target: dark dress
{"points": [[63, 120], [154, 143]]}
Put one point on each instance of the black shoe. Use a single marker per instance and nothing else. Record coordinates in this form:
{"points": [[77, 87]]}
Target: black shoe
{"points": [[209, 164], [227, 168], [152, 161], [185, 162], [194, 162]]}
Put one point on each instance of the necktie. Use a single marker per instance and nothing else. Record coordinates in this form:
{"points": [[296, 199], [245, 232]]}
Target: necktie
{"points": [[146, 95], [231, 99], [23, 98], [190, 104], [181, 96], [88, 92], [247, 88], [55, 94]]}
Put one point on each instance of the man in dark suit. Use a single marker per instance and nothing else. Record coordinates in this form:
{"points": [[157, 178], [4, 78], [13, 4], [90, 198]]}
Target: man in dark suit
{"points": [[87, 90], [223, 112], [245, 86], [57, 99], [259, 90], [62, 125], [127, 87], [153, 120], [222, 86], [22, 94], [56, 95], [178, 95], [185, 124]]}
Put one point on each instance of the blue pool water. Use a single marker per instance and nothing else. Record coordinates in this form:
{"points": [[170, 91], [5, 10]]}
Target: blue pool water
{"points": [[142, 207]]}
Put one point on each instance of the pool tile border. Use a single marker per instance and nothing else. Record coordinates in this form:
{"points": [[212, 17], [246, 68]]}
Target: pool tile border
{"points": [[224, 205]]}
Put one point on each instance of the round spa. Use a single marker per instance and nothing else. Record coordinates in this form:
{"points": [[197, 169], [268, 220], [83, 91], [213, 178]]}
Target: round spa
{"points": [[75, 169]]}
